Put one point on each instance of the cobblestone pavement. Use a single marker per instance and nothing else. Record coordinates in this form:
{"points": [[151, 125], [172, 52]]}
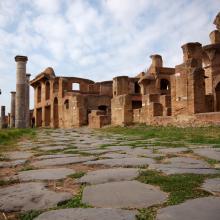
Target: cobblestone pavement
{"points": [[85, 174]]}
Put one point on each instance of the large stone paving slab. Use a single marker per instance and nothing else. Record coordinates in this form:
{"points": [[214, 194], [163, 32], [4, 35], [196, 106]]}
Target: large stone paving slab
{"points": [[97, 151], [212, 185], [53, 148], [119, 148], [13, 163], [198, 209], [180, 165], [16, 155], [125, 194], [123, 162], [109, 175], [115, 155], [44, 174], [88, 214], [50, 156], [212, 153], [29, 196], [61, 161], [142, 152], [173, 150]]}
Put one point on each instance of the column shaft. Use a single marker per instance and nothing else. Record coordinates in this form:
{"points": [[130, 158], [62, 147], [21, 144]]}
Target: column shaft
{"points": [[20, 104], [12, 115], [3, 125], [27, 100]]}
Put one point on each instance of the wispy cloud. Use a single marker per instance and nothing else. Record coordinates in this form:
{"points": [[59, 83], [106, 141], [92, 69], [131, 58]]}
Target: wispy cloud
{"points": [[97, 39]]}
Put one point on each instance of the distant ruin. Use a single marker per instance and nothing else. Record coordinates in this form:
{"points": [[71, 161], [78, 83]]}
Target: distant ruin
{"points": [[187, 94]]}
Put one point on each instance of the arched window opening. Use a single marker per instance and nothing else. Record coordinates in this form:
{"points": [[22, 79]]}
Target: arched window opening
{"points": [[55, 113], [164, 86], [75, 86], [137, 88], [102, 107], [66, 104], [55, 87], [39, 93], [136, 104], [47, 90]]}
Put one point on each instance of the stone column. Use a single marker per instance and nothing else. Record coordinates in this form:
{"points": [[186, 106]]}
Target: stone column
{"points": [[12, 115], [27, 100], [2, 116], [20, 107]]}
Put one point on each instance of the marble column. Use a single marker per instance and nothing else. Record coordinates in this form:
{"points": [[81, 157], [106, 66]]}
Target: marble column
{"points": [[27, 100], [20, 103], [12, 115], [2, 116]]}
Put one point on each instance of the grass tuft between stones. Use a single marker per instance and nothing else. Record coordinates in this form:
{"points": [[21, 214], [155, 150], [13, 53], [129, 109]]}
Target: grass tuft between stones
{"points": [[77, 175], [75, 202], [8, 182], [180, 187], [30, 215], [147, 213]]}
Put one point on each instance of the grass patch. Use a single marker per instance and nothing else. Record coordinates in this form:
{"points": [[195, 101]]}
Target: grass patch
{"points": [[211, 161], [3, 158], [8, 182], [27, 167], [104, 146], [165, 135], [10, 137], [77, 175], [71, 152], [29, 215], [180, 187], [147, 213], [75, 202], [159, 158]]}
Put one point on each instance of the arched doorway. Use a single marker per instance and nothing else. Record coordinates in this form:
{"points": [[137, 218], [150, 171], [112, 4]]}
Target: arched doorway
{"points": [[55, 113], [217, 97], [164, 87], [102, 107]]}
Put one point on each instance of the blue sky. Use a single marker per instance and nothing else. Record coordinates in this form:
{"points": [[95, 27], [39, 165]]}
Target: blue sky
{"points": [[97, 39]]}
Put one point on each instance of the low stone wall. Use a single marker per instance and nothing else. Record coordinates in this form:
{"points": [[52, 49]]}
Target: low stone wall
{"points": [[200, 119], [98, 119]]}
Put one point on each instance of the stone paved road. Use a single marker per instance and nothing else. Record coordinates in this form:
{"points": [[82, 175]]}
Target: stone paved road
{"points": [[49, 169]]}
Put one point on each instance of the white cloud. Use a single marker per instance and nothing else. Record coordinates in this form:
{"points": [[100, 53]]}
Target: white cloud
{"points": [[98, 39], [47, 6]]}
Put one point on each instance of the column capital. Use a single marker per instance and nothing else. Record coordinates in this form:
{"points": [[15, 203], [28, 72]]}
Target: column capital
{"points": [[21, 58], [13, 92], [28, 75]]}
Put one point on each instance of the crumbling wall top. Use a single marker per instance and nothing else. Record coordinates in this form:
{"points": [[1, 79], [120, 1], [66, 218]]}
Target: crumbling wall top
{"points": [[217, 21], [157, 60], [192, 50]]}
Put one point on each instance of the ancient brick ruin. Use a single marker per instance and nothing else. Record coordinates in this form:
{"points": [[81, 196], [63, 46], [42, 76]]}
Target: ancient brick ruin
{"points": [[68, 101], [187, 94]]}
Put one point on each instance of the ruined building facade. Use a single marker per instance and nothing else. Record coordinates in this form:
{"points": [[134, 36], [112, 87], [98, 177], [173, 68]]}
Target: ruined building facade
{"points": [[69, 101], [188, 93]]}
